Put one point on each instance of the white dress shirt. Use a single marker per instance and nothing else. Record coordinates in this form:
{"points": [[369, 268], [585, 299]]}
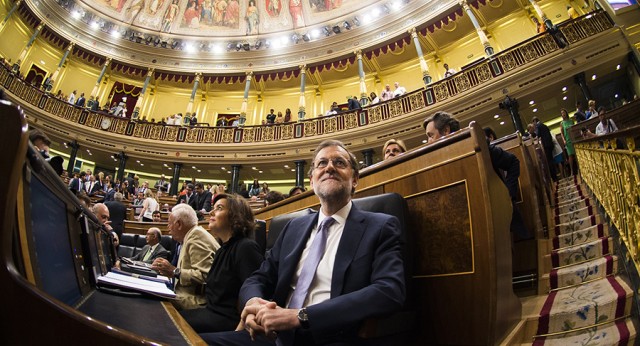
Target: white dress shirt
{"points": [[320, 289]]}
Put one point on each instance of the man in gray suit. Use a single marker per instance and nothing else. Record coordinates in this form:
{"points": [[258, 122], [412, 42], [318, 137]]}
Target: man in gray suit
{"points": [[153, 249]]}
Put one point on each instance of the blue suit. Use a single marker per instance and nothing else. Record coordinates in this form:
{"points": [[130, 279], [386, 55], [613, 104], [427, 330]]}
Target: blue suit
{"points": [[367, 281]]}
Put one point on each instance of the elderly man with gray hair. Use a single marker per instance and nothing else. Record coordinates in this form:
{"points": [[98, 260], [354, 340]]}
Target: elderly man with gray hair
{"points": [[192, 259]]}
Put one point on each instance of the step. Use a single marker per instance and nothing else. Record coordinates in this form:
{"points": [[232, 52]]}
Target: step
{"points": [[580, 236], [568, 188], [585, 305], [567, 181], [580, 273], [568, 196], [576, 225], [620, 332], [574, 201], [580, 253], [572, 205], [574, 215]]}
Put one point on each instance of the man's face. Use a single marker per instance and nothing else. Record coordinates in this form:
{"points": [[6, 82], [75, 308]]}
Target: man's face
{"points": [[157, 217], [189, 190], [388, 87], [392, 150], [175, 229], [151, 238], [332, 176], [602, 118], [433, 134], [103, 214], [396, 84], [199, 189]]}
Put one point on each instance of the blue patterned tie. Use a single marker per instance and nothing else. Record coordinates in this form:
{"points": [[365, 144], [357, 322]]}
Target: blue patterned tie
{"points": [[311, 264]]}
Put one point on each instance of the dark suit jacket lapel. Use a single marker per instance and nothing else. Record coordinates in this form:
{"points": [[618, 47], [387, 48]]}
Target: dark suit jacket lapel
{"points": [[351, 236], [292, 247]]}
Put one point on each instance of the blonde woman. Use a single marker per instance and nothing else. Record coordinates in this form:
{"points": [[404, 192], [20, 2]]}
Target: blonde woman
{"points": [[148, 207]]}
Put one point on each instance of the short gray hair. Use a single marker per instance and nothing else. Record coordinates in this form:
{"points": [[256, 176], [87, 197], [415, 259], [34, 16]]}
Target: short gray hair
{"points": [[185, 214], [118, 196]]}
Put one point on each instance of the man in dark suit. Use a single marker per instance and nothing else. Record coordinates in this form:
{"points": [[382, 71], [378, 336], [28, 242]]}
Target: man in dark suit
{"points": [[81, 101], [153, 249], [117, 213], [77, 184], [202, 200], [354, 103], [545, 136], [344, 263], [188, 197]]}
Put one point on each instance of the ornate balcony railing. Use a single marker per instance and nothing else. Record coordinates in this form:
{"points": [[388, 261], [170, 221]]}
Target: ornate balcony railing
{"points": [[610, 166], [480, 73]]}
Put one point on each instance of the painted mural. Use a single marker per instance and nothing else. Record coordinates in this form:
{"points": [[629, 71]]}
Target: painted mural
{"points": [[221, 17]]}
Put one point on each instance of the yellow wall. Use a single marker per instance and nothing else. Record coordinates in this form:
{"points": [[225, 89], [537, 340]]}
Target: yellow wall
{"points": [[15, 36]]}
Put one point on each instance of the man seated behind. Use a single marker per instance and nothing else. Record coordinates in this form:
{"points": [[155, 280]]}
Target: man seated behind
{"points": [[192, 259], [153, 249], [157, 217], [328, 271]]}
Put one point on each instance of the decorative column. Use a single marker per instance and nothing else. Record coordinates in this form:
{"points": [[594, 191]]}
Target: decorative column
{"points": [[235, 178], [582, 82], [301, 102], [368, 157], [121, 165], [25, 50], [483, 37], [363, 86], [13, 9], [72, 156], [300, 172], [245, 99], [175, 179], [136, 109], [552, 29], [196, 82], [54, 77], [511, 104], [426, 77], [94, 92]]}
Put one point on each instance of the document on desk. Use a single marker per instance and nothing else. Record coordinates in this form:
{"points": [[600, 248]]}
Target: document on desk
{"points": [[137, 284]]}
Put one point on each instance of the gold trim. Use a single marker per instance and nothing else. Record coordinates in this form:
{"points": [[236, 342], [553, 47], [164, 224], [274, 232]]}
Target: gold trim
{"points": [[424, 169], [187, 332], [473, 257], [581, 328]]}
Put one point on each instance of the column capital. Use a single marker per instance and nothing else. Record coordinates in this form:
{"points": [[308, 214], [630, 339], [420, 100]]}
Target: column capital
{"points": [[249, 73], [150, 72], [108, 61], [464, 4], [358, 53], [40, 27], [413, 32], [303, 68], [70, 46]]}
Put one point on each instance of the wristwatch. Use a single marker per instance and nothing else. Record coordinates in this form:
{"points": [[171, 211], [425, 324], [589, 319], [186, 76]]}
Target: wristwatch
{"points": [[303, 318], [176, 273]]}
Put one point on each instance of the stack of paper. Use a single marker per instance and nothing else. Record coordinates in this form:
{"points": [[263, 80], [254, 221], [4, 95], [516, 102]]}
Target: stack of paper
{"points": [[157, 286]]}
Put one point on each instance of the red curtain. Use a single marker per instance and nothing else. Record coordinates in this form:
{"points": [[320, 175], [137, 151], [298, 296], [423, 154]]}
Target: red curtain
{"points": [[120, 90]]}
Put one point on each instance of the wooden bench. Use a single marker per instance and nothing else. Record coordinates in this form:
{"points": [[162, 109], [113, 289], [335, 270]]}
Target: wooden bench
{"points": [[458, 235], [138, 227]]}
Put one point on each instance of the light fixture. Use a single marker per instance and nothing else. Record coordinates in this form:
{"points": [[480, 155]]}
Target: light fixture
{"points": [[346, 25], [336, 29], [564, 98], [496, 116], [163, 44], [502, 123], [356, 21], [175, 44], [535, 110], [327, 31], [424, 141], [259, 171], [564, 89], [295, 38], [531, 102], [306, 37], [230, 46], [593, 77], [246, 47], [238, 46], [222, 168], [286, 166], [618, 67], [258, 44]]}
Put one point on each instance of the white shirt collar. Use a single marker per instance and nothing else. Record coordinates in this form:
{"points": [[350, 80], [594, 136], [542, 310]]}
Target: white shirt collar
{"points": [[340, 216]]}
